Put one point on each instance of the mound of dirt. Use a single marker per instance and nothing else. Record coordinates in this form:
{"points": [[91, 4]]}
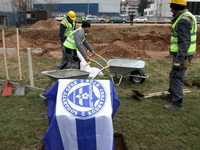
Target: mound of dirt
{"points": [[192, 82], [109, 40], [11, 42], [131, 41], [122, 49], [50, 24]]}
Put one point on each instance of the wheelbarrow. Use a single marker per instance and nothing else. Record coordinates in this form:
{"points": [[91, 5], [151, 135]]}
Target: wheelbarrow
{"points": [[54, 75], [121, 67], [66, 74]]}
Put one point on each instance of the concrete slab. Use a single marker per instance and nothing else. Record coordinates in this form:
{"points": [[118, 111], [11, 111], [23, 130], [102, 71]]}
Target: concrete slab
{"points": [[9, 50], [14, 50]]}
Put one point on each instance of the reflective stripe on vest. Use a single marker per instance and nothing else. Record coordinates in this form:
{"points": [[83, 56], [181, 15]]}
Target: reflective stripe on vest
{"points": [[70, 41], [69, 27], [193, 35]]}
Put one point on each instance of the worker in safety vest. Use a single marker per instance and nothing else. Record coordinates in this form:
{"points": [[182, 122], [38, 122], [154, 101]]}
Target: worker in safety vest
{"points": [[67, 26], [182, 48], [83, 18], [76, 42]]}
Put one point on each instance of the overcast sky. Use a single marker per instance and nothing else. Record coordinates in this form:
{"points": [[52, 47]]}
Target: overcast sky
{"points": [[5, 5]]}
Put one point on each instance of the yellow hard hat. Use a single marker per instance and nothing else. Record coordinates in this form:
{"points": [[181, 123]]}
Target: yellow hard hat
{"points": [[71, 15], [179, 2]]}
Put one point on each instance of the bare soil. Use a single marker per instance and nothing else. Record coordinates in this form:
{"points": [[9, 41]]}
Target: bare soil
{"points": [[113, 40]]}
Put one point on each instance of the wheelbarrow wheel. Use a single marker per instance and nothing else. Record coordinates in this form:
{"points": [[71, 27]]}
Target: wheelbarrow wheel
{"points": [[137, 79]]}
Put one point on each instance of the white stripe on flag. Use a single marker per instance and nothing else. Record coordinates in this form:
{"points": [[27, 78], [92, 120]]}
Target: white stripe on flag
{"points": [[104, 126], [67, 131], [104, 133]]}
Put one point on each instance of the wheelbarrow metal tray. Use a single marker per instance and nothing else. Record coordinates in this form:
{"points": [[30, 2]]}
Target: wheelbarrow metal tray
{"points": [[66, 74], [124, 66]]}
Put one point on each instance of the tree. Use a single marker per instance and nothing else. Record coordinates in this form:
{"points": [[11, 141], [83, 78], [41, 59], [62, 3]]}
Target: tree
{"points": [[50, 5], [143, 4], [21, 5]]}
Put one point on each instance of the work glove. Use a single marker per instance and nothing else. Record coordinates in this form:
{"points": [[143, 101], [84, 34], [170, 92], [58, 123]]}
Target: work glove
{"points": [[176, 66]]}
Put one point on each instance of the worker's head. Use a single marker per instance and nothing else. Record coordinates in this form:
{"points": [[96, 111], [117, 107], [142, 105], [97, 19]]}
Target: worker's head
{"points": [[177, 5], [71, 16], [179, 2], [86, 26]]}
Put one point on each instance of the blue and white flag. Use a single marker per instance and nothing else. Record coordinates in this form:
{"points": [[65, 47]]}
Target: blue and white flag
{"points": [[80, 115]]}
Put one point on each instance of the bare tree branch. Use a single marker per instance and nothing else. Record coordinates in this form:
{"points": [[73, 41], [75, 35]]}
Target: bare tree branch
{"points": [[21, 5]]}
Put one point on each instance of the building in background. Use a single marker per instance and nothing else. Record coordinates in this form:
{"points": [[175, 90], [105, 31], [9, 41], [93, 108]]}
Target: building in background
{"points": [[132, 8], [9, 18], [123, 7], [44, 9], [93, 7], [36, 15], [161, 8], [52, 8]]}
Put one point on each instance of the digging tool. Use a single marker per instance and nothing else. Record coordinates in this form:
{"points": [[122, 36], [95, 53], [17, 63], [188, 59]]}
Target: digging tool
{"points": [[20, 89], [7, 89], [140, 96]]}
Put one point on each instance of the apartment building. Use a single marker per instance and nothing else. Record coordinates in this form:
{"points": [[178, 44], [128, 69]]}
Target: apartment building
{"points": [[161, 8]]}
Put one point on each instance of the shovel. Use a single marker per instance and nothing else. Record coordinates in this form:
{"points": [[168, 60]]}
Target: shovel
{"points": [[138, 95], [20, 89], [7, 89]]}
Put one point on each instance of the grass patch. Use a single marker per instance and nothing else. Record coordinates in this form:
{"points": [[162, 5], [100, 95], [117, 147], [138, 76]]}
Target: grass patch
{"points": [[144, 124]]}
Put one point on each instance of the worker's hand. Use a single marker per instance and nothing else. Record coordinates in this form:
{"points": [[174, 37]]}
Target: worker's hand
{"points": [[176, 66], [87, 58], [90, 53]]}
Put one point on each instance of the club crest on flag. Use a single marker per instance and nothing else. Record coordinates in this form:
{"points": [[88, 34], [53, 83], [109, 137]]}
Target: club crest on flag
{"points": [[84, 97]]}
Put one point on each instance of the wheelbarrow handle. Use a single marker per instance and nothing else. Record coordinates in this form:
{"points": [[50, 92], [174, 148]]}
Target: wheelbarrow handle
{"points": [[101, 57], [106, 67], [88, 63], [103, 67]]}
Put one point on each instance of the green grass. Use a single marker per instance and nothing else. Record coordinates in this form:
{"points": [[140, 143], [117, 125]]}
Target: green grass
{"points": [[144, 124], [23, 121]]}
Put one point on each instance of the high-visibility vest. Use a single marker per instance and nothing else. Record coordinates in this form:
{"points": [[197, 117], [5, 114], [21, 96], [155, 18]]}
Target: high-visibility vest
{"points": [[193, 34], [83, 18], [70, 41], [69, 27]]}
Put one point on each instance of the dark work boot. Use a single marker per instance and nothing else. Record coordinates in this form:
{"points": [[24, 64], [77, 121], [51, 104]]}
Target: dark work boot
{"points": [[178, 105], [173, 107]]}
